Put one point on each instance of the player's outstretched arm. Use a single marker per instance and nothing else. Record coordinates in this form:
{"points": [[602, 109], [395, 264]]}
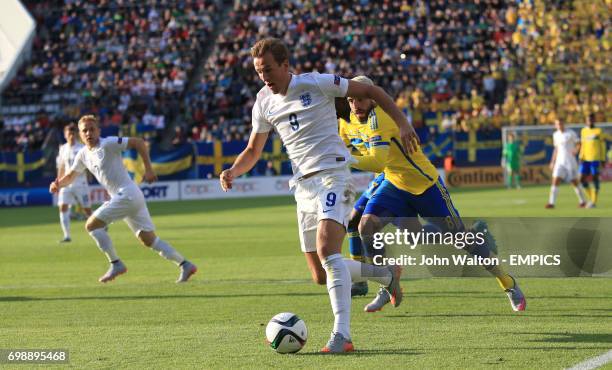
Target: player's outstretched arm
{"points": [[245, 161], [364, 91], [141, 147], [63, 181]]}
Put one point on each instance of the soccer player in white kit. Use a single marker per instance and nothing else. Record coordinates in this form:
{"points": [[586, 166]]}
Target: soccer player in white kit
{"points": [[300, 108], [102, 157], [78, 191], [564, 165]]}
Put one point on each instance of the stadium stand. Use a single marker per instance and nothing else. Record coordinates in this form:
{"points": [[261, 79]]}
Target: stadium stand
{"points": [[461, 69], [563, 62], [126, 62], [435, 57]]}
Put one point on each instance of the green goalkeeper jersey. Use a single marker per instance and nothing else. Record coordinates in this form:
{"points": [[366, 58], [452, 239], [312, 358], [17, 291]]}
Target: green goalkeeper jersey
{"points": [[512, 154]]}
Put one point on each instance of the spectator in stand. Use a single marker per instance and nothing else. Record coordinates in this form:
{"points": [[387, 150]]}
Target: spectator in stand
{"points": [[270, 170], [179, 136], [415, 48], [110, 57]]}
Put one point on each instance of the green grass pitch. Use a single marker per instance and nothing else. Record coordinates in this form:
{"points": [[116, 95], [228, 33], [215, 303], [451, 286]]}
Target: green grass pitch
{"points": [[250, 268]]}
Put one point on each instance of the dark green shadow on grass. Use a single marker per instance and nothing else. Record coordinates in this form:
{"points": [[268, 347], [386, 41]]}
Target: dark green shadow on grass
{"points": [[571, 337], [489, 295], [366, 352], [478, 315]]}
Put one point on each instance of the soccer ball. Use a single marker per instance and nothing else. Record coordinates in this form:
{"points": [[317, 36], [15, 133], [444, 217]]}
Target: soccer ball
{"points": [[286, 333]]}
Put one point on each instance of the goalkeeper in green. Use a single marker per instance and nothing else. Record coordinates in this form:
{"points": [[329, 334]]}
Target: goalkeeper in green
{"points": [[511, 161]]}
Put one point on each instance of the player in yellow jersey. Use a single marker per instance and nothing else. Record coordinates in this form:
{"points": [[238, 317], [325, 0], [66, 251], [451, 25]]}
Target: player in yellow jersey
{"points": [[411, 188], [592, 151], [353, 141]]}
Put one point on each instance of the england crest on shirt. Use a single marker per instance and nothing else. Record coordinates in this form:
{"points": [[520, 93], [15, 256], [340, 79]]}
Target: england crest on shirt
{"points": [[99, 155], [306, 99]]}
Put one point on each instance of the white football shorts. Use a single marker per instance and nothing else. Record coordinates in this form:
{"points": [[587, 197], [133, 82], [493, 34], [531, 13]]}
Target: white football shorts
{"points": [[128, 205], [566, 171], [328, 194], [73, 195]]}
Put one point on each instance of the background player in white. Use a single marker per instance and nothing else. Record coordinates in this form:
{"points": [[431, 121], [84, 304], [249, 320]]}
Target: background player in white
{"points": [[300, 108], [564, 165], [102, 157], [76, 193]]}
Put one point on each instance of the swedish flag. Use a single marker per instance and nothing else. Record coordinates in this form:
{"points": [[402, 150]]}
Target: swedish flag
{"points": [[478, 147], [439, 146], [168, 165], [212, 158], [216, 156], [17, 167]]}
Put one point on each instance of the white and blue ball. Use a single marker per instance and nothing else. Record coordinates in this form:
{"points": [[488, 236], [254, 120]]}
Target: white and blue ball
{"points": [[286, 333]]}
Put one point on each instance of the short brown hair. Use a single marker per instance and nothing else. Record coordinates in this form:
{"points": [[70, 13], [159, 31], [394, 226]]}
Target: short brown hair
{"points": [[90, 117], [71, 127], [276, 47]]}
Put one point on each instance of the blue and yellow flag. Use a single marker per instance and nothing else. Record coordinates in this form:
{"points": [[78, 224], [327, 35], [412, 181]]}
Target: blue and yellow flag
{"points": [[478, 148], [212, 158], [438, 146], [18, 167], [176, 164]]}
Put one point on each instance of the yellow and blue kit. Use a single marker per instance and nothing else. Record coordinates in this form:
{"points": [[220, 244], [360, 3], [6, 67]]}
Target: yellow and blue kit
{"points": [[592, 150], [358, 147], [411, 186]]}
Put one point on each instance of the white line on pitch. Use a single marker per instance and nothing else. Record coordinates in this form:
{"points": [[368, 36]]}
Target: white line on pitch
{"points": [[593, 362]]}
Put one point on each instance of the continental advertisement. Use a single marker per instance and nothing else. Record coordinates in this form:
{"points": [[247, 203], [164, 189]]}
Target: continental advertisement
{"points": [[463, 177]]}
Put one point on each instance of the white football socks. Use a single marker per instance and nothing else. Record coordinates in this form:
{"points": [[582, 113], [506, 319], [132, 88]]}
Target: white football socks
{"points": [[105, 243], [362, 271], [166, 251], [554, 190], [65, 222], [580, 193], [339, 289]]}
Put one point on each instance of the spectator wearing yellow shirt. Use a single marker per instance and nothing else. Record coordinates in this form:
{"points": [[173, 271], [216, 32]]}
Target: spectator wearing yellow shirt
{"points": [[497, 119], [477, 100], [454, 103], [484, 120], [465, 103], [417, 97], [403, 101], [516, 117]]}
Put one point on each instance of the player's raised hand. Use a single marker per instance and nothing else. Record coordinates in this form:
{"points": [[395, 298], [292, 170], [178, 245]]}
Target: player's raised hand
{"points": [[53, 187], [226, 179], [409, 137], [149, 176]]}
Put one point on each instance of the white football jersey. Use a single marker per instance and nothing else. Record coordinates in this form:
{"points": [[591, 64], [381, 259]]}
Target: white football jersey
{"points": [[106, 163], [565, 143], [67, 155], [305, 119]]}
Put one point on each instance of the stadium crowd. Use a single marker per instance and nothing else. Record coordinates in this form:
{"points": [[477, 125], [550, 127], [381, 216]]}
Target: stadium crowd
{"points": [[433, 56], [127, 62], [460, 65], [563, 56]]}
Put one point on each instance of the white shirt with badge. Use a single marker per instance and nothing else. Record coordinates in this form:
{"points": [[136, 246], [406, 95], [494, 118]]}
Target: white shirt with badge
{"points": [[66, 157], [565, 142], [105, 162], [305, 119]]}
